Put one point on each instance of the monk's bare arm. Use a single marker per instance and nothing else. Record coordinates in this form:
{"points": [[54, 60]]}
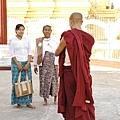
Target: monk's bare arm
{"points": [[61, 47]]}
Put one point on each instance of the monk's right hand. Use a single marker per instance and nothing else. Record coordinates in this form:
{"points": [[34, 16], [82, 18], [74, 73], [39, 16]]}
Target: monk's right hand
{"points": [[35, 70]]}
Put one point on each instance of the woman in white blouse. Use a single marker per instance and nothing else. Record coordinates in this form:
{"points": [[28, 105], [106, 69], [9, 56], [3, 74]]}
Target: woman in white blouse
{"points": [[48, 64], [20, 51]]}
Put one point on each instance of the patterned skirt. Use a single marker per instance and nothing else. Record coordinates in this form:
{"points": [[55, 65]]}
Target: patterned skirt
{"points": [[48, 75], [25, 100]]}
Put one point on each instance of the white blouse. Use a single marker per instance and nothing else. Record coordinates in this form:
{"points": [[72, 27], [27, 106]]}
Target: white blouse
{"points": [[48, 45], [20, 48]]}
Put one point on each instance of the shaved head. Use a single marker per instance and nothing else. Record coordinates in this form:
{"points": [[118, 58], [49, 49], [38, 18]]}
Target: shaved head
{"points": [[76, 17]]}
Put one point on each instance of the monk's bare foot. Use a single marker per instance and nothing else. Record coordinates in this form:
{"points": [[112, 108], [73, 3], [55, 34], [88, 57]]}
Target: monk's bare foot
{"points": [[45, 101], [18, 106], [31, 106]]}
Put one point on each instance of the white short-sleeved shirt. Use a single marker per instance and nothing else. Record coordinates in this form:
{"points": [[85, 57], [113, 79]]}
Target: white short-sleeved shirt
{"points": [[20, 48]]}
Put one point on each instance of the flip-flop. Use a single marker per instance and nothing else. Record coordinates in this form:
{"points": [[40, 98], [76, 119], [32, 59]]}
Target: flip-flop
{"points": [[45, 103], [55, 103], [31, 106], [18, 106]]}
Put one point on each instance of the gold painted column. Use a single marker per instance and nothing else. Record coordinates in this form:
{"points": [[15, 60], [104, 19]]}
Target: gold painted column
{"points": [[3, 22]]}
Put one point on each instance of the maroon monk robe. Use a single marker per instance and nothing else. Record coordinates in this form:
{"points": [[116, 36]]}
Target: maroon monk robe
{"points": [[79, 45]]}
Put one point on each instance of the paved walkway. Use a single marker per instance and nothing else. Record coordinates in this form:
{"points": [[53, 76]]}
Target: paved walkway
{"points": [[106, 91]]}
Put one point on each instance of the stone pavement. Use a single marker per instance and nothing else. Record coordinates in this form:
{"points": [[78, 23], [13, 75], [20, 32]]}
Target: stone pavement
{"points": [[106, 92]]}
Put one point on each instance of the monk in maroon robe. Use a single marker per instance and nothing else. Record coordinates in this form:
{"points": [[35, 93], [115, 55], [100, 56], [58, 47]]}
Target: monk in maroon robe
{"points": [[75, 99]]}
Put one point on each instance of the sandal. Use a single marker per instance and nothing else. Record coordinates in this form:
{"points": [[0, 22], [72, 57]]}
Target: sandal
{"points": [[18, 106], [31, 106], [45, 101], [55, 103]]}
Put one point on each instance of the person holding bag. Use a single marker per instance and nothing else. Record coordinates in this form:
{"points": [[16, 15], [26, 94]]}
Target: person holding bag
{"points": [[48, 65], [20, 52]]}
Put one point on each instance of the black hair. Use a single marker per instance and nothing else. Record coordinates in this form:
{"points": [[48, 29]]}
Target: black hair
{"points": [[18, 26], [46, 26]]}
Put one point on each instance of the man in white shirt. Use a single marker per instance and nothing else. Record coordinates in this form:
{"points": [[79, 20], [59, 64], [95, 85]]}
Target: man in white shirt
{"points": [[48, 65]]}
